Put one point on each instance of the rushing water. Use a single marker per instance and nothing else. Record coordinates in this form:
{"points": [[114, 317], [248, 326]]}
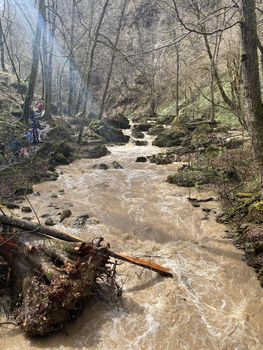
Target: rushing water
{"points": [[214, 300]]}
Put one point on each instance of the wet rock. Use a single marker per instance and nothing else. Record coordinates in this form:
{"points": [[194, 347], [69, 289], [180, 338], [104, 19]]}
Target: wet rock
{"points": [[137, 134], [194, 203], [81, 220], [61, 132], [49, 222], [90, 138], [103, 166], [169, 138], [140, 143], [65, 214], [10, 205], [36, 194], [96, 151], [118, 121], [26, 210], [57, 153], [107, 132], [190, 178], [206, 210], [162, 158], [45, 216], [93, 221], [116, 165], [22, 191], [141, 160], [154, 131], [143, 127]]}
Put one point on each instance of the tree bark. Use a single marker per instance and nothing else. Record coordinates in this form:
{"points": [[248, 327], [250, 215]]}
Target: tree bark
{"points": [[35, 63], [105, 92], [90, 69], [253, 100], [2, 48], [71, 60]]}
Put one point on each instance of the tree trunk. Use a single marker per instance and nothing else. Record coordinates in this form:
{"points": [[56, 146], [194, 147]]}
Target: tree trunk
{"points": [[177, 78], [35, 63], [90, 69], [48, 93], [253, 101], [71, 60], [2, 48], [102, 106]]}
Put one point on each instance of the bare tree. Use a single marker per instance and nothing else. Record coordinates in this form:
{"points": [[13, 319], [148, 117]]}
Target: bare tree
{"points": [[253, 100], [35, 62]]}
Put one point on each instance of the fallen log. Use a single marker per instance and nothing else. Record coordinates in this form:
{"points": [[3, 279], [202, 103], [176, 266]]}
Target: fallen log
{"points": [[53, 276], [69, 238]]}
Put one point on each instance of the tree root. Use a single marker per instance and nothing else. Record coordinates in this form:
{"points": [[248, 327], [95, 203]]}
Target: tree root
{"points": [[54, 277]]}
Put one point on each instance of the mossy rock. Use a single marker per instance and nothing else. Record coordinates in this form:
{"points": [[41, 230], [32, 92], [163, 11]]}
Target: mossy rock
{"points": [[57, 153], [155, 130], [118, 121], [143, 126], [109, 133], [96, 151], [255, 212], [137, 134], [199, 136], [22, 191], [192, 178], [141, 143], [165, 119], [170, 138], [60, 132], [90, 136]]}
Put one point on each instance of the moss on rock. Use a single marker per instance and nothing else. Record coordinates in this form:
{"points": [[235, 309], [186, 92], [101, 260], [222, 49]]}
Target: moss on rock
{"points": [[170, 138]]}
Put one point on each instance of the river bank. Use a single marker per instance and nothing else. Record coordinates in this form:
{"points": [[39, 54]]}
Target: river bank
{"points": [[211, 301]]}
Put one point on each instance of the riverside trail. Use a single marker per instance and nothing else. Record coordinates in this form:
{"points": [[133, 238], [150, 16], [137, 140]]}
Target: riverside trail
{"points": [[214, 300]]}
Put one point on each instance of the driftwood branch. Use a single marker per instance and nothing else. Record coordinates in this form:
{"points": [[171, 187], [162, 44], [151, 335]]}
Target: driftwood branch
{"points": [[28, 226]]}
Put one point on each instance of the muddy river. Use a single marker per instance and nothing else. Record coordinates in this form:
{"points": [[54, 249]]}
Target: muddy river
{"points": [[214, 300]]}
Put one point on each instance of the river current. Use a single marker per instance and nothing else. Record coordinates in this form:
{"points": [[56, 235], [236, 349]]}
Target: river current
{"points": [[214, 301]]}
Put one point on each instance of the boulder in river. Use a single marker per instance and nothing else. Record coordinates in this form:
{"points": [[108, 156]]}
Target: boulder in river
{"points": [[49, 222], [26, 210], [141, 160], [108, 133], [95, 151], [103, 166], [118, 121], [155, 130], [143, 126], [170, 138], [116, 165], [65, 214], [81, 220], [140, 143], [162, 158], [137, 134]]}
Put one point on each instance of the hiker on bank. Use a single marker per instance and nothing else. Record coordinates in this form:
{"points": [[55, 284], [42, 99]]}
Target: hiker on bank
{"points": [[29, 136], [41, 108], [35, 135]]}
